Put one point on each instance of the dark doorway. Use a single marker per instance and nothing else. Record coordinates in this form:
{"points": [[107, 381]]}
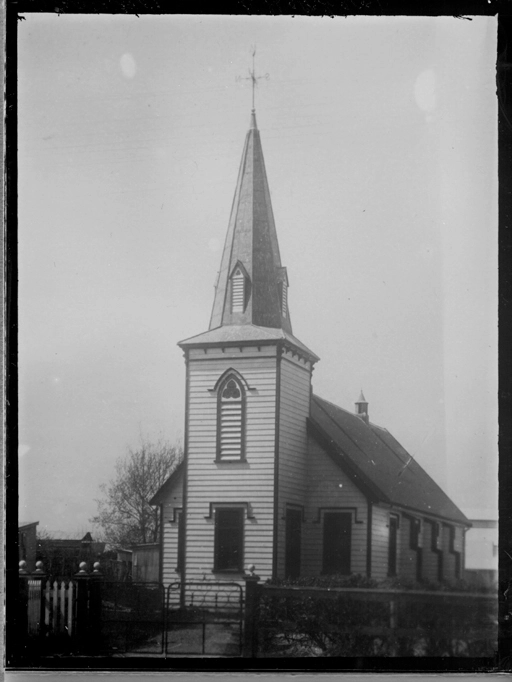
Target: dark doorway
{"points": [[229, 540], [393, 532], [293, 543], [337, 542]]}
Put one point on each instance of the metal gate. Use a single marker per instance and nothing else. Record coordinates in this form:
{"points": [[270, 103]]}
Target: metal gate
{"points": [[132, 617], [204, 619], [92, 616]]}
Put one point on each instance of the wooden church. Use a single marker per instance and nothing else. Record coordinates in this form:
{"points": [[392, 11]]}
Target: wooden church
{"points": [[274, 475]]}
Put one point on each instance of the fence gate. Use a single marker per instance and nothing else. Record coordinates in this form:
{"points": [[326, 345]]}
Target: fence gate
{"points": [[88, 615], [132, 617], [204, 618]]}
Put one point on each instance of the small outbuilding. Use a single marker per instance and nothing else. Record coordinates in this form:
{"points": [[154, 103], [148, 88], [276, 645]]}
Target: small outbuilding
{"points": [[146, 562]]}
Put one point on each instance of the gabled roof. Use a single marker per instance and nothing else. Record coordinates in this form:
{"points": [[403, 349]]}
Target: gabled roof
{"points": [[378, 463], [161, 494], [252, 241], [26, 524], [233, 334]]}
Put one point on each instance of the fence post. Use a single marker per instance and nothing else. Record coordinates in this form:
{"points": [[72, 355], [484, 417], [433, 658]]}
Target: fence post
{"points": [[82, 609], [22, 609], [252, 597], [392, 625], [40, 574], [95, 609]]}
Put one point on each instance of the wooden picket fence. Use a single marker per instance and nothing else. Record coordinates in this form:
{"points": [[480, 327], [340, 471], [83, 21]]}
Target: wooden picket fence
{"points": [[85, 615], [59, 599], [50, 605], [53, 614]]}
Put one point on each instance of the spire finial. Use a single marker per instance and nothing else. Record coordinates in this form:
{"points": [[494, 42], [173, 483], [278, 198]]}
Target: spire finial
{"points": [[254, 82], [253, 76]]}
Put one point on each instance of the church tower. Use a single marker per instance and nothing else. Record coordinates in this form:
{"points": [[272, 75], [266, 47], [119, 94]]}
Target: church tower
{"points": [[273, 475], [248, 385]]}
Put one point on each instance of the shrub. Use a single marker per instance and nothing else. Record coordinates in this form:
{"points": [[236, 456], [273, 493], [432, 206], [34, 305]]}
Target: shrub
{"points": [[310, 624], [353, 580]]}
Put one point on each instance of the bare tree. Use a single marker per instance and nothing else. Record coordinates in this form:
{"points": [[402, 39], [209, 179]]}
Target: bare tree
{"points": [[124, 513]]}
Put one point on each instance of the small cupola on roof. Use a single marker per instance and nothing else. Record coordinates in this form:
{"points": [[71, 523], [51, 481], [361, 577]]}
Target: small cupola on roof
{"points": [[362, 408], [252, 285]]}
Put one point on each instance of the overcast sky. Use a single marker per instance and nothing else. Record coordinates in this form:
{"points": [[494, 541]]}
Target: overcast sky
{"points": [[380, 144]]}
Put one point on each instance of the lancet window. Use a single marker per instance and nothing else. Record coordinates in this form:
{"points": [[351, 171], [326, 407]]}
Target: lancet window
{"points": [[231, 417]]}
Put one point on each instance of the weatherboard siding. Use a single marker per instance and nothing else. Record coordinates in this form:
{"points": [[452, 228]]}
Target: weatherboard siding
{"points": [[294, 397], [250, 482], [173, 503], [329, 487], [380, 542]]}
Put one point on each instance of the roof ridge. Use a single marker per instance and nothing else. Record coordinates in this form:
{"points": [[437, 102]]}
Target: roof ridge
{"points": [[340, 427], [352, 414], [416, 491], [315, 395]]}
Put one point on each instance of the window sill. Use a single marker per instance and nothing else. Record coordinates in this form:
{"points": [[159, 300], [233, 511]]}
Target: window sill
{"points": [[229, 571], [230, 461]]}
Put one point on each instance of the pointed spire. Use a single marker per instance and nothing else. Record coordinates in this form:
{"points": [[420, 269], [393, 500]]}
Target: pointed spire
{"points": [[361, 398], [362, 407], [252, 285]]}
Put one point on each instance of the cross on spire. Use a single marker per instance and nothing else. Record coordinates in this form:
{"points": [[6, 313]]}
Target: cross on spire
{"points": [[253, 77]]}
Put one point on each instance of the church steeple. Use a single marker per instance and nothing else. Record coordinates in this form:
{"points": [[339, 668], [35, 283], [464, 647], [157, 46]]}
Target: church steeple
{"points": [[252, 284]]}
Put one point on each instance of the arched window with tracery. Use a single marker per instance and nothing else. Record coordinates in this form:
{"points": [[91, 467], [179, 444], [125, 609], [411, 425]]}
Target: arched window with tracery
{"points": [[230, 422]]}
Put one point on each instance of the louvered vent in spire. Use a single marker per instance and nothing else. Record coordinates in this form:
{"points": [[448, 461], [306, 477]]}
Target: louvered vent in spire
{"points": [[284, 299], [238, 292]]}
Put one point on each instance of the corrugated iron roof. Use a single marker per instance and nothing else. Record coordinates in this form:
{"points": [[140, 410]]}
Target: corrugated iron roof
{"points": [[384, 467]]}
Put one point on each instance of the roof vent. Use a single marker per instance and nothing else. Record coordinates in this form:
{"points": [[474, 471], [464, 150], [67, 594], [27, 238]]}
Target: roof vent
{"points": [[362, 408]]}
